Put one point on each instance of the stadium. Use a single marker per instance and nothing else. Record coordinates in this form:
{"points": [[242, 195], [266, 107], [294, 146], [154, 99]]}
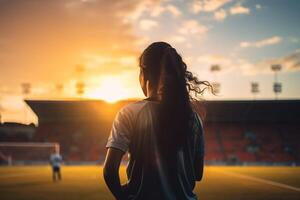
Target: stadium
{"points": [[261, 136], [236, 132]]}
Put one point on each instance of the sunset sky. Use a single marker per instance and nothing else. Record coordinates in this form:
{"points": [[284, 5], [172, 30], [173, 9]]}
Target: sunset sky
{"points": [[52, 45]]}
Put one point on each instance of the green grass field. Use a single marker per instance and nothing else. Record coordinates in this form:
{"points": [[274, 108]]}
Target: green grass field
{"points": [[86, 182]]}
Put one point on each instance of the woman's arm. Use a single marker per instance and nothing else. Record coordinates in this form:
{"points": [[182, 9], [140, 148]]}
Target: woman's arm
{"points": [[111, 172]]}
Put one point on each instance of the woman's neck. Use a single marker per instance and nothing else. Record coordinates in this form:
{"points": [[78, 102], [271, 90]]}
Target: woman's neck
{"points": [[152, 94], [154, 98]]}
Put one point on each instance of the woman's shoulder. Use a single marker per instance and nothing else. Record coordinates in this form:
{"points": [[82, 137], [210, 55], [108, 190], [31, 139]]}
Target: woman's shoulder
{"points": [[133, 108]]}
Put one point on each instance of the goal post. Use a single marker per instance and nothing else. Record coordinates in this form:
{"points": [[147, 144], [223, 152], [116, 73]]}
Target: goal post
{"points": [[27, 152]]}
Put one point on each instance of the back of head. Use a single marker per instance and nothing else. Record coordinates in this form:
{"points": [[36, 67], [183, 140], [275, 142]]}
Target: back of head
{"points": [[168, 76]]}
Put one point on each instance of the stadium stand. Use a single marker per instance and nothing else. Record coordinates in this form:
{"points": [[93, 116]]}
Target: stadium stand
{"points": [[16, 132], [236, 132], [11, 132]]}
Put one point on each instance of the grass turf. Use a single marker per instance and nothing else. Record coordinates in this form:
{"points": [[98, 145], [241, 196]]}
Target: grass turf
{"points": [[86, 182]]}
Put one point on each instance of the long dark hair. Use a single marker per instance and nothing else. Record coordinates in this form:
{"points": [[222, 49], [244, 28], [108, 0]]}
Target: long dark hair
{"points": [[177, 89]]}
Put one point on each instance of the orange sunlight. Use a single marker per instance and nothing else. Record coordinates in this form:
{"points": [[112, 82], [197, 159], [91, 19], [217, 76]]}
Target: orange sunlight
{"points": [[111, 90]]}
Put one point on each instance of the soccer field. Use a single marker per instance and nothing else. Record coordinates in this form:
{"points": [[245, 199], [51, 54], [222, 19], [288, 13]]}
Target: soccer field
{"points": [[86, 182]]}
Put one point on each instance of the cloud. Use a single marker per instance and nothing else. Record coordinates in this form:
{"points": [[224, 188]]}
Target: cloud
{"points": [[192, 27], [189, 30], [177, 39], [47, 39], [207, 5], [142, 41], [103, 63], [217, 7], [211, 59], [140, 7], [258, 6], [226, 63], [220, 15], [262, 43], [290, 62], [229, 64], [160, 9], [154, 8], [294, 40], [239, 9], [173, 10], [157, 11], [147, 24]]}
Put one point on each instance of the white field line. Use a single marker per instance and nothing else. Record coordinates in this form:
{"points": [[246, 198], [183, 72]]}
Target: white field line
{"points": [[273, 183]]}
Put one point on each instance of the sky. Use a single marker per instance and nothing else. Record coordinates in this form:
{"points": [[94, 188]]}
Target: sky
{"points": [[51, 46]]}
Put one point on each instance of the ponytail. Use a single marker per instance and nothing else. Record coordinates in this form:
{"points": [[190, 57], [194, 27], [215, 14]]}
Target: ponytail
{"points": [[168, 75], [175, 110]]}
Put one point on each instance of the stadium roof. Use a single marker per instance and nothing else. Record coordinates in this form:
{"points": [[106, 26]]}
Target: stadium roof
{"points": [[254, 111], [74, 110], [216, 111]]}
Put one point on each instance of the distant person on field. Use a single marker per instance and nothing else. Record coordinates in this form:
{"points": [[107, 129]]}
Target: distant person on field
{"points": [[162, 133], [55, 162]]}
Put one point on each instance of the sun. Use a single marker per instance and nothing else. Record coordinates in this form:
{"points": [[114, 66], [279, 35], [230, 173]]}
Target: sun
{"points": [[111, 90]]}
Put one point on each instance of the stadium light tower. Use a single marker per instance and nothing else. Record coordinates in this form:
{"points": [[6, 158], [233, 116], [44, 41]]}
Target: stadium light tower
{"points": [[80, 85], [216, 85], [59, 88], [26, 90], [254, 89], [277, 86]]}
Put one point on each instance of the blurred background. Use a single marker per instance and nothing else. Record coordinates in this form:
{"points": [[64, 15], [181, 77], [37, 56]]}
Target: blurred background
{"points": [[89, 48], [67, 66]]}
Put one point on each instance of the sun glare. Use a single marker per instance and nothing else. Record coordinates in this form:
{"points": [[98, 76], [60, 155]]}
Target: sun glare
{"points": [[111, 90]]}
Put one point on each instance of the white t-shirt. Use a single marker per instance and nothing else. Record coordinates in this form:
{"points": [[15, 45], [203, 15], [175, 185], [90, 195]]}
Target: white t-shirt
{"points": [[123, 124], [55, 160], [134, 131]]}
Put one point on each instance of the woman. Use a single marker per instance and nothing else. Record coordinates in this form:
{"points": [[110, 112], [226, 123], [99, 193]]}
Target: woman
{"points": [[162, 134]]}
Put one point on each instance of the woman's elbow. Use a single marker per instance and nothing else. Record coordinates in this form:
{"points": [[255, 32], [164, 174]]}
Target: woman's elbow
{"points": [[199, 178], [200, 169]]}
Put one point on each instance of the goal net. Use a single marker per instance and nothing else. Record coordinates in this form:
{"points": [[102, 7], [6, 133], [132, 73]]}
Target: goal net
{"points": [[18, 153]]}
